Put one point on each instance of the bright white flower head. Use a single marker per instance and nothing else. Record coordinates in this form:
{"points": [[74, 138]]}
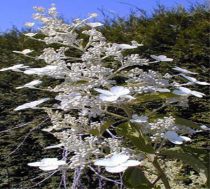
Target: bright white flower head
{"points": [[139, 119], [194, 80], [29, 24], [173, 137], [205, 128], [94, 24], [114, 93], [24, 52], [183, 91], [93, 15], [54, 146], [161, 58], [48, 164], [182, 70], [30, 34], [126, 46], [117, 163], [32, 104], [31, 84], [15, 68]]}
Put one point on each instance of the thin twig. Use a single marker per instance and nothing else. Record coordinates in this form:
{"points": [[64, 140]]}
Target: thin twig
{"points": [[17, 127], [27, 135], [105, 178], [42, 180]]}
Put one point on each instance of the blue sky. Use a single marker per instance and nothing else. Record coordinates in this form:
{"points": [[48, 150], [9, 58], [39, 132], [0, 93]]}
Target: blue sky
{"points": [[17, 12]]}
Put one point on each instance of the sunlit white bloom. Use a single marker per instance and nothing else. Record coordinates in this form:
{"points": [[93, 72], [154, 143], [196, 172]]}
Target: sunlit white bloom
{"points": [[32, 104], [135, 43], [114, 93], [117, 163], [183, 91], [126, 46], [139, 119], [173, 137], [30, 34], [183, 70], [161, 58], [194, 80], [93, 15], [55, 146], [48, 164], [163, 90], [94, 24], [24, 52], [40, 71], [31, 84], [15, 68], [51, 70], [29, 24], [205, 128]]}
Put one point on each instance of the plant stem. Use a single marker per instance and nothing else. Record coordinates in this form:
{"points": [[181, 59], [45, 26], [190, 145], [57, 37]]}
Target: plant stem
{"points": [[161, 173]]}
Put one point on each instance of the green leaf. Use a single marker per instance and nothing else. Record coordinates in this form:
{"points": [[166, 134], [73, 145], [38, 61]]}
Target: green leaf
{"points": [[155, 96], [186, 122], [102, 129], [134, 178], [131, 132], [188, 158]]}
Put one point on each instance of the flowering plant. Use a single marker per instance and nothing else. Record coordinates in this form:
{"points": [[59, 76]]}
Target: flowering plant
{"points": [[96, 118]]}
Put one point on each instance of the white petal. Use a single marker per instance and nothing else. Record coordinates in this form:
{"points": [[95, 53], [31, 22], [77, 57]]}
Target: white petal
{"points": [[173, 137], [30, 34], [131, 163], [34, 164], [102, 91], [204, 127], [32, 104], [55, 146], [163, 90], [161, 58], [187, 139], [115, 160], [197, 94], [178, 92], [48, 168], [126, 46], [61, 162], [192, 79], [202, 83], [183, 70], [185, 90], [30, 84], [48, 161], [116, 169], [108, 98], [16, 67], [94, 24], [102, 162], [155, 57], [119, 90]]}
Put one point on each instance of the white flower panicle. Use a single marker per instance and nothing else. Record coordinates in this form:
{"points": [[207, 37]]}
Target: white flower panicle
{"points": [[93, 79]]}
